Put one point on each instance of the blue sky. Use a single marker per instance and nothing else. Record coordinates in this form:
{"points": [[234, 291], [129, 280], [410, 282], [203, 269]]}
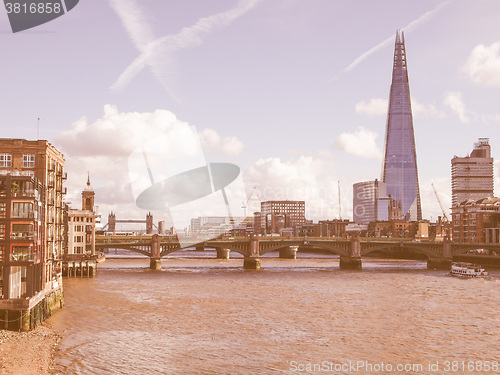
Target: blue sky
{"points": [[293, 91]]}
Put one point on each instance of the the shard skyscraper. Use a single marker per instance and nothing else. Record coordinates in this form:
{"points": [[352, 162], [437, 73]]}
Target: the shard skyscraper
{"points": [[399, 170]]}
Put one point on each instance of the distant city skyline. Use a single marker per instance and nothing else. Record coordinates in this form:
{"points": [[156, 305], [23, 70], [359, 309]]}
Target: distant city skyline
{"points": [[293, 93]]}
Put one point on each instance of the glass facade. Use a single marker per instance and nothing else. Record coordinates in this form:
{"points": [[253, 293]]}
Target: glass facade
{"points": [[370, 202], [399, 170]]}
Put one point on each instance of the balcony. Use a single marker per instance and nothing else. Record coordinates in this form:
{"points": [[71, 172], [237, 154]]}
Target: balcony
{"points": [[24, 215], [31, 193], [23, 236], [24, 257]]}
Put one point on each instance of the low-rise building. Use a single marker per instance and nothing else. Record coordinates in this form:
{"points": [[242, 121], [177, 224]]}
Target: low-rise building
{"points": [[82, 226], [476, 220]]}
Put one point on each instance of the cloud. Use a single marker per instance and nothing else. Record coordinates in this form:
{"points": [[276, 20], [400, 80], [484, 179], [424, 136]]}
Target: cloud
{"points": [[421, 109], [116, 134], [158, 54], [454, 100], [360, 143], [413, 24], [374, 107], [483, 65], [103, 147], [488, 118], [305, 178], [212, 141], [379, 107]]}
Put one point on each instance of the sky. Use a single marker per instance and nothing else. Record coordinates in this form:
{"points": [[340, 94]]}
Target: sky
{"points": [[294, 92]]}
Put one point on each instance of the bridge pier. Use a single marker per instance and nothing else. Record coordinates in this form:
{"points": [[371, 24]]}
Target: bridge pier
{"points": [[289, 252], [251, 263], [222, 253], [444, 262], [252, 260], [350, 263], [353, 261], [439, 263], [155, 264]]}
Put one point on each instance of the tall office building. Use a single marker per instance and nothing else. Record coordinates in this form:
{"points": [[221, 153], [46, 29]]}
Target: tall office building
{"points": [[370, 202], [472, 176], [399, 170]]}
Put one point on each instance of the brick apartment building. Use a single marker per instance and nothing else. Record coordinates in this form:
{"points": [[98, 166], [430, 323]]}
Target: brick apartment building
{"points": [[32, 234]]}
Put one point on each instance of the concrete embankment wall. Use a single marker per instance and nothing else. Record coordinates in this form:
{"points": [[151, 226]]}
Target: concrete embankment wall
{"points": [[24, 315]]}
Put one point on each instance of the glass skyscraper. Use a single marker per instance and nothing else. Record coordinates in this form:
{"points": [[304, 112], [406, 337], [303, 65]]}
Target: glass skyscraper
{"points": [[399, 170]]}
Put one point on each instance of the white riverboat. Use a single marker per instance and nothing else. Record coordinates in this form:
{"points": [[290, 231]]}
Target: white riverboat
{"points": [[462, 269]]}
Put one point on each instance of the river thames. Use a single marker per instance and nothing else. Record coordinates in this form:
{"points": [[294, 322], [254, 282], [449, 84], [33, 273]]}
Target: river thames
{"points": [[200, 315]]}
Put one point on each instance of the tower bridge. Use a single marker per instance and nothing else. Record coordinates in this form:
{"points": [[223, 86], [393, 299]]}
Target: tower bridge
{"points": [[110, 227], [439, 254]]}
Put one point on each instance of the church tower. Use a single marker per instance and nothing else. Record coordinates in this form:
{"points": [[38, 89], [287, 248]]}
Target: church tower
{"points": [[88, 196]]}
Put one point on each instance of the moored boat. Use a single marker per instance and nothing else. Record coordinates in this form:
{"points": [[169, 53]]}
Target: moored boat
{"points": [[463, 269]]}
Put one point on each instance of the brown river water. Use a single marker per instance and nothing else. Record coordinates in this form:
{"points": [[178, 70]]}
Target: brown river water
{"points": [[200, 315]]}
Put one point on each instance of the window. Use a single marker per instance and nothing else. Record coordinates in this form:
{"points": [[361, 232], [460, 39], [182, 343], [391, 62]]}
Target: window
{"points": [[29, 161], [3, 207], [2, 232], [78, 239], [22, 210], [20, 253], [24, 231], [5, 160]]}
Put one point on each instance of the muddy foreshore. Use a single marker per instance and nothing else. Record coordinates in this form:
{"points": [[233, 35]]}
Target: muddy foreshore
{"points": [[32, 352]]}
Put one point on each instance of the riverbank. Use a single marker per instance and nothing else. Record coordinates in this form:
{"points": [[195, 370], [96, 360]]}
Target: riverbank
{"points": [[26, 353]]}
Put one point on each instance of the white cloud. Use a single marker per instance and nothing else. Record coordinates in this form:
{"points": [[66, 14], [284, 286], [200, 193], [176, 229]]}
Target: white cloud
{"points": [[488, 118], [483, 65], [454, 100], [116, 133], [374, 107], [104, 146], [421, 109], [212, 141], [306, 178], [379, 107], [158, 54], [360, 143]]}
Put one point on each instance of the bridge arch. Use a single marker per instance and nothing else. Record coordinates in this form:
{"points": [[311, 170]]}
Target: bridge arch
{"points": [[457, 249], [428, 250], [337, 250], [141, 249], [237, 248]]}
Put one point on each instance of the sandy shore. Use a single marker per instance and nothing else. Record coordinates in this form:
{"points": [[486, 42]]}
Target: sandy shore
{"points": [[24, 353]]}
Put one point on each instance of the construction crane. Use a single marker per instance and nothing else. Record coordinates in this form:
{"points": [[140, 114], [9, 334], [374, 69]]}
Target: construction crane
{"points": [[445, 218], [245, 204]]}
